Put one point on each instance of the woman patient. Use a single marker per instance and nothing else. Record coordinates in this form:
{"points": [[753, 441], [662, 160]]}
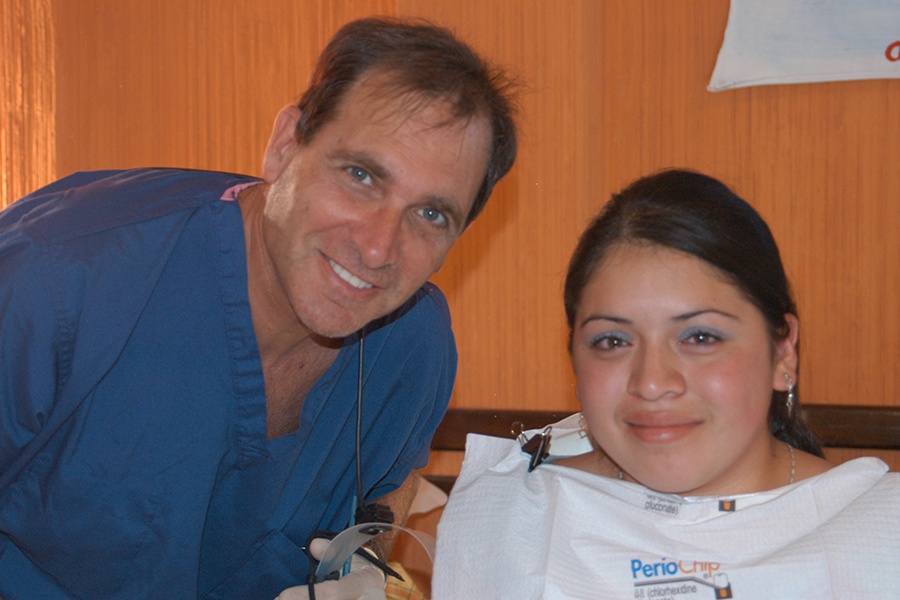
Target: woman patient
{"points": [[689, 472]]}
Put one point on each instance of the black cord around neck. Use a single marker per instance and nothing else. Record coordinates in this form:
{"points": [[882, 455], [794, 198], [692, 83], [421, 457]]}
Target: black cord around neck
{"points": [[365, 513], [359, 393]]}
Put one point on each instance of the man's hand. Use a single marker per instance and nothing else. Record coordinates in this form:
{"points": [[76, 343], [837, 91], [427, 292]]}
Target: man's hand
{"points": [[365, 581]]}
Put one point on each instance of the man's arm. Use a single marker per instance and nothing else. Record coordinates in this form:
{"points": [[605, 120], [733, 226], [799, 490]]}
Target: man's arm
{"points": [[29, 364], [399, 502]]}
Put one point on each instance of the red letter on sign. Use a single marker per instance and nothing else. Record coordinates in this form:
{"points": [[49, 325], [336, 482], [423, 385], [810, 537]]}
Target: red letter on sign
{"points": [[893, 52]]}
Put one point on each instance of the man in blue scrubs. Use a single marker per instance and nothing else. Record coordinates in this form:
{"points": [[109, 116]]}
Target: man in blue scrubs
{"points": [[180, 350]]}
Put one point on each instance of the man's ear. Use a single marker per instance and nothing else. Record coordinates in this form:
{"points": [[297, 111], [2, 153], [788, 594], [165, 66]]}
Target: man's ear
{"points": [[281, 146], [786, 357]]}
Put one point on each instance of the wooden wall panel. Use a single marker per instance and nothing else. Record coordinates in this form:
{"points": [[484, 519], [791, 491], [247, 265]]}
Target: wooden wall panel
{"points": [[27, 98], [192, 84]]}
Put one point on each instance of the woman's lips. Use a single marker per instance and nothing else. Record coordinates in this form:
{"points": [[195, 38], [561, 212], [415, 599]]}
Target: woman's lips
{"points": [[661, 429]]}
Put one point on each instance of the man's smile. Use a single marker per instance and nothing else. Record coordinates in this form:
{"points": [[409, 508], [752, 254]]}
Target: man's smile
{"points": [[349, 277]]}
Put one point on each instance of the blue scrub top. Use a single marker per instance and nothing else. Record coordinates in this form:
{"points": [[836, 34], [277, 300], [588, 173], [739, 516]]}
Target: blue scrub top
{"points": [[133, 454]]}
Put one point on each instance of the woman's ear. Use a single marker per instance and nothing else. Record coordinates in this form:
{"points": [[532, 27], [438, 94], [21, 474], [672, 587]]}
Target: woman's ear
{"points": [[786, 357], [281, 146]]}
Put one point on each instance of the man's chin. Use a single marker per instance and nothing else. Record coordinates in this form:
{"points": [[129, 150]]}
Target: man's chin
{"points": [[340, 320], [335, 330]]}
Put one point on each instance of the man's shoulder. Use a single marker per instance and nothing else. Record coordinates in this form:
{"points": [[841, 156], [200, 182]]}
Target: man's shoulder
{"points": [[92, 201], [149, 181], [432, 299]]}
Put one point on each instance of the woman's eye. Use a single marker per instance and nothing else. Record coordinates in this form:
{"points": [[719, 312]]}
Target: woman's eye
{"points": [[434, 216], [701, 338], [360, 175], [609, 342]]}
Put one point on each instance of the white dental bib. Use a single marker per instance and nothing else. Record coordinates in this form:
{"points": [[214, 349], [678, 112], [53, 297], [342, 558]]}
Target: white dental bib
{"points": [[560, 533]]}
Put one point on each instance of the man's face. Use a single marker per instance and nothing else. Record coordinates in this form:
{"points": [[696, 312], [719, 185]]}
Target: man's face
{"points": [[361, 216]]}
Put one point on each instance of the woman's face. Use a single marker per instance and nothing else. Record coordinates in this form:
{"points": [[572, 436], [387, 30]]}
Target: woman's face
{"points": [[675, 372]]}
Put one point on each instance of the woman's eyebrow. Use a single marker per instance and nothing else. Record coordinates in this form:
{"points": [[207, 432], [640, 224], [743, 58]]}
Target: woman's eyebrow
{"points": [[602, 317], [696, 313]]}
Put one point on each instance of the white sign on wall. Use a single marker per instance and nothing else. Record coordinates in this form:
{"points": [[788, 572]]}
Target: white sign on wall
{"points": [[801, 41]]}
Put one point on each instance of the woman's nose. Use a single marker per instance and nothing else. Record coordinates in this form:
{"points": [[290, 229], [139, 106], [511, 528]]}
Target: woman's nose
{"points": [[656, 373]]}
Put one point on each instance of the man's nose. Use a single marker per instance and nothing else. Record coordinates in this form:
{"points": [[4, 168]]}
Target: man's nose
{"points": [[378, 237]]}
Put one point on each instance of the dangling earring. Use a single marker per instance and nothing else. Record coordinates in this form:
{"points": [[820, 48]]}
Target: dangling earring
{"points": [[791, 397], [582, 425]]}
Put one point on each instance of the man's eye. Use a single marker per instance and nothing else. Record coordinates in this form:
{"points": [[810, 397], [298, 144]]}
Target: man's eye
{"points": [[361, 175], [433, 215]]}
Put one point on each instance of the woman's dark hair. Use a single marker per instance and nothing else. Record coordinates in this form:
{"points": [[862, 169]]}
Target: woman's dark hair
{"points": [[701, 216], [423, 59]]}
